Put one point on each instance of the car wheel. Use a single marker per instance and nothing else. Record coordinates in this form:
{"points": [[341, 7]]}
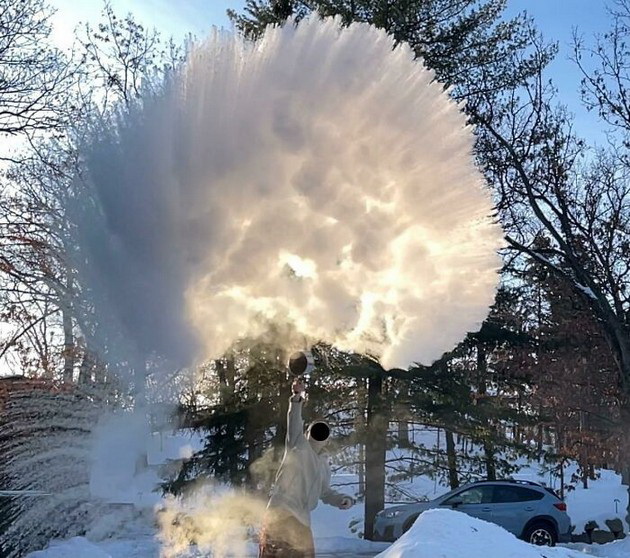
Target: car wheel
{"points": [[541, 533], [409, 523]]}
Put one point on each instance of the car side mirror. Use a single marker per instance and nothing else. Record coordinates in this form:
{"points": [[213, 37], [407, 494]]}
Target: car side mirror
{"points": [[456, 503]]}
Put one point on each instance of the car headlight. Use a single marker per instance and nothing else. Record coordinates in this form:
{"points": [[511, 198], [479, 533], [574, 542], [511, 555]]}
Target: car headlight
{"points": [[392, 513]]}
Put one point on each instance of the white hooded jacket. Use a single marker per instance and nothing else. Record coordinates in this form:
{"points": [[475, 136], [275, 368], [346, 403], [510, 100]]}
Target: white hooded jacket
{"points": [[304, 475]]}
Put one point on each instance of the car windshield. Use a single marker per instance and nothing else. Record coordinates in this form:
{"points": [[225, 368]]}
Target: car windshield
{"points": [[473, 495]]}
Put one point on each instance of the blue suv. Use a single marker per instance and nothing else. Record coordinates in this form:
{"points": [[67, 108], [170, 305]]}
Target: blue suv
{"points": [[526, 509]]}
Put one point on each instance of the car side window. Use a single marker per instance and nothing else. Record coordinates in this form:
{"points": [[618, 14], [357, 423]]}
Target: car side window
{"points": [[507, 494], [474, 495]]}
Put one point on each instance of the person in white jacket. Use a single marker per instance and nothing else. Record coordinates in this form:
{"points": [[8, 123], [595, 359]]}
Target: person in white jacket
{"points": [[302, 480]]}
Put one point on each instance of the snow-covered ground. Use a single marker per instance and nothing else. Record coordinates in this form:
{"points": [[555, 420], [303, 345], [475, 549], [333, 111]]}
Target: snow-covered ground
{"points": [[130, 533], [606, 498], [336, 532], [436, 534], [145, 546], [617, 549]]}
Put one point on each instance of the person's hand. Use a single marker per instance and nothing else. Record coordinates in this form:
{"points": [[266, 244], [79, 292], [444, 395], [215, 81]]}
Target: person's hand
{"points": [[346, 503], [298, 387]]}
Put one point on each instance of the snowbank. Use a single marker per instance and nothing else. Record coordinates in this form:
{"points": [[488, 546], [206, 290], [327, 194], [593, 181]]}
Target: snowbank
{"points": [[77, 547], [606, 498], [617, 549], [450, 534]]}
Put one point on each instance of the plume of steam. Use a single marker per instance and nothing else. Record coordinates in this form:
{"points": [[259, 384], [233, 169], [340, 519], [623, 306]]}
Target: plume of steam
{"points": [[215, 520], [319, 178]]}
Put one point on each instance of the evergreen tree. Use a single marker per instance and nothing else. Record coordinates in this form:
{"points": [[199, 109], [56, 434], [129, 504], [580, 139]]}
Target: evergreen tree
{"points": [[242, 418], [466, 42], [575, 380], [474, 392]]}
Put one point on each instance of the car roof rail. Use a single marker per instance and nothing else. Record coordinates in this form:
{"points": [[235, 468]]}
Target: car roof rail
{"points": [[515, 481], [526, 481]]}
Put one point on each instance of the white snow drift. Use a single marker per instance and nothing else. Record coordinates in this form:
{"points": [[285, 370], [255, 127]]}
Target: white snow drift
{"points": [[450, 534]]}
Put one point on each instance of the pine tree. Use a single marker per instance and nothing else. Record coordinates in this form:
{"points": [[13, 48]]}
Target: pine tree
{"points": [[244, 417], [466, 42], [575, 380], [475, 393]]}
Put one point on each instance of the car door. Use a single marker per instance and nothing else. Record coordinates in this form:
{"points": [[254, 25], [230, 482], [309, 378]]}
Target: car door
{"points": [[475, 501], [513, 506]]}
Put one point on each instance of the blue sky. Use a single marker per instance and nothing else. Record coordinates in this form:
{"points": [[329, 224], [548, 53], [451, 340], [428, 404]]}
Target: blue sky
{"points": [[555, 18], [171, 17]]}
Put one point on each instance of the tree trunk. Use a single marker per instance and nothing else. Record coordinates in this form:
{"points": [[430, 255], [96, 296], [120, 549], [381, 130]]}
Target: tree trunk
{"points": [[230, 431], [559, 437], [223, 385], [69, 350], [361, 472], [403, 434], [451, 459], [625, 479], [625, 454], [140, 378], [618, 338], [254, 439], [85, 369], [375, 449], [482, 370], [539, 438], [100, 372], [68, 343], [584, 474], [226, 373], [488, 446], [491, 467]]}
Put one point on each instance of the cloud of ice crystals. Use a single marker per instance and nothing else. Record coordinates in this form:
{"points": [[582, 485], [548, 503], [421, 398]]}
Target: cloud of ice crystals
{"points": [[318, 178]]}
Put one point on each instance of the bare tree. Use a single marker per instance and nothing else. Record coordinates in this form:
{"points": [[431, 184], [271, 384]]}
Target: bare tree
{"points": [[567, 207], [563, 206], [123, 60], [41, 292], [36, 78], [605, 67]]}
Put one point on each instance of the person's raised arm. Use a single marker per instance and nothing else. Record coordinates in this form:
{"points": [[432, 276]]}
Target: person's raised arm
{"points": [[295, 423]]}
